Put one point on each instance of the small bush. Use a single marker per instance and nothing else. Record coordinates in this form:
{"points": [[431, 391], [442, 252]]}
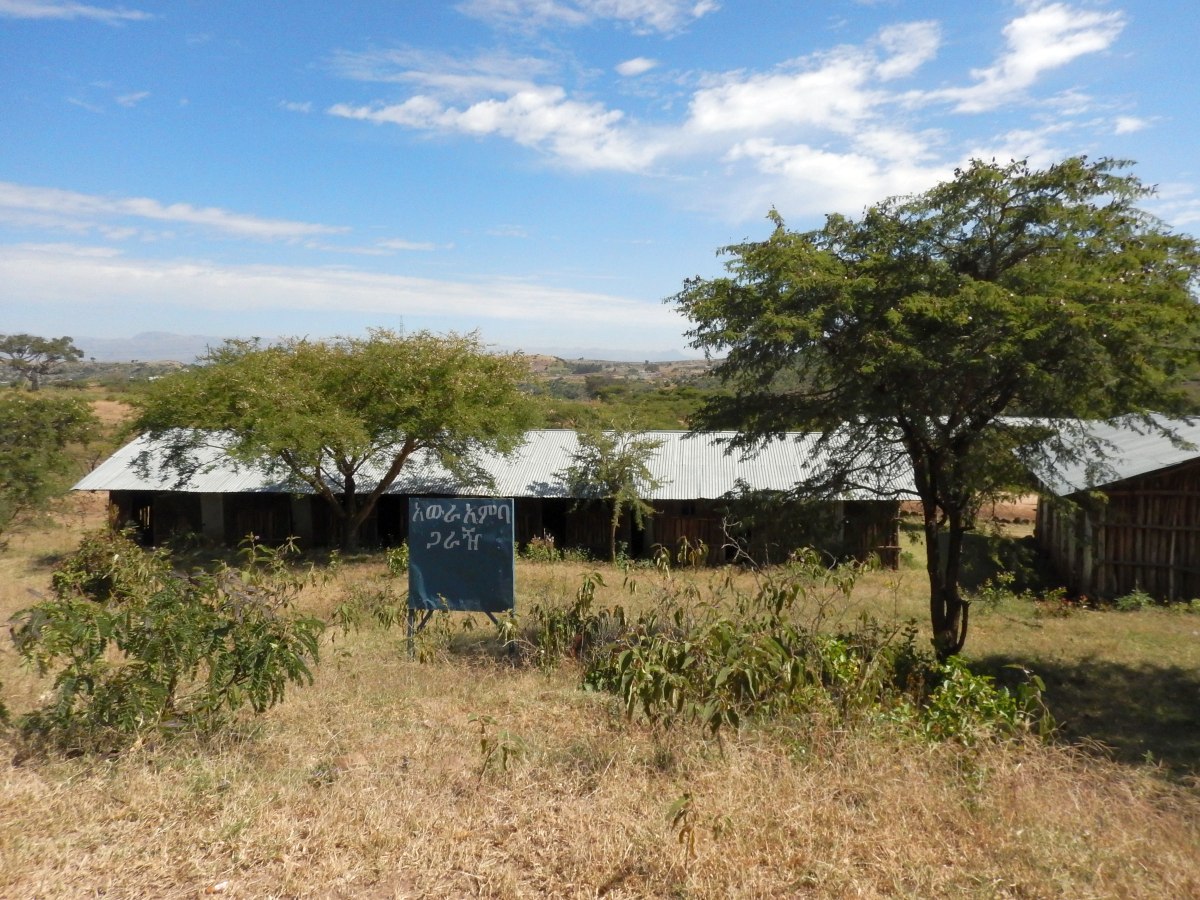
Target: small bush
{"points": [[966, 706], [548, 634], [1134, 601], [136, 647], [396, 560], [723, 670], [542, 549]]}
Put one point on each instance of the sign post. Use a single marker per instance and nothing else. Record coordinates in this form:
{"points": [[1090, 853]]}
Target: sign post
{"points": [[460, 557]]}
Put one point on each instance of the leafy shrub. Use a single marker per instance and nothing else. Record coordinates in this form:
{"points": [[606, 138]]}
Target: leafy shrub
{"points": [[1135, 600], [137, 647], [396, 560], [542, 549], [380, 604], [379, 600], [550, 633], [966, 706], [725, 669], [721, 669], [497, 749], [995, 591]]}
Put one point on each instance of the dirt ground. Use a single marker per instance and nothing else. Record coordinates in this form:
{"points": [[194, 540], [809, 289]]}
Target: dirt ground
{"points": [[1014, 510], [110, 412]]}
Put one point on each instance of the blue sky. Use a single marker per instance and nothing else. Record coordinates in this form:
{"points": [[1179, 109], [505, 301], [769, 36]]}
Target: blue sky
{"points": [[543, 171]]}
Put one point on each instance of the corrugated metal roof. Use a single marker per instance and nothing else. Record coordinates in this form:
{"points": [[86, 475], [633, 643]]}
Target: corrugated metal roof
{"points": [[1131, 453], [687, 466]]}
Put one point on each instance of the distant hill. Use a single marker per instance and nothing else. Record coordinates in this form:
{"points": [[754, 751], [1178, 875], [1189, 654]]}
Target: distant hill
{"points": [[149, 346], [164, 345]]}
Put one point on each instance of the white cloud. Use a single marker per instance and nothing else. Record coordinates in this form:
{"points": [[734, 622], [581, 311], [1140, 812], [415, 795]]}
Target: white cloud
{"points": [[1034, 144], [586, 135], [811, 181], [401, 244], [74, 211], [83, 277], [456, 75], [494, 95], [832, 94], [1175, 203], [52, 9], [292, 106], [1129, 124], [834, 90], [1047, 37], [642, 15], [132, 99], [825, 131], [909, 46], [639, 65]]}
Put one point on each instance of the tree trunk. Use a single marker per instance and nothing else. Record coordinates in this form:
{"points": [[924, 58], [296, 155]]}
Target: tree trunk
{"points": [[948, 612], [613, 525], [347, 517]]}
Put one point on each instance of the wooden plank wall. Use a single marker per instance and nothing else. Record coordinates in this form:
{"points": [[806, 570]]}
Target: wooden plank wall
{"points": [[1146, 537]]}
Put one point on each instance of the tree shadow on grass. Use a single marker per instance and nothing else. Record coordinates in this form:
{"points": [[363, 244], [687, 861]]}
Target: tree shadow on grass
{"points": [[1136, 713]]}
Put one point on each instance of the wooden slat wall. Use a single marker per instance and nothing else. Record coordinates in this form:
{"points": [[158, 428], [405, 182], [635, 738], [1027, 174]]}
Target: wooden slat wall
{"points": [[1146, 537]]}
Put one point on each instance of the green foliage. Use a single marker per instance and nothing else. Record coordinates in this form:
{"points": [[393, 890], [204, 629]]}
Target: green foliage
{"points": [[32, 358], [913, 334], [381, 604], [336, 416], [612, 465], [682, 816], [36, 432], [755, 660], [544, 549], [396, 560], [497, 749], [965, 706], [550, 633], [541, 548], [769, 525], [380, 601], [640, 404], [1135, 600], [137, 648]]}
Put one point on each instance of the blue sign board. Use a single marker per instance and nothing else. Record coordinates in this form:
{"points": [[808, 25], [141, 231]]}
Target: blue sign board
{"points": [[460, 552]]}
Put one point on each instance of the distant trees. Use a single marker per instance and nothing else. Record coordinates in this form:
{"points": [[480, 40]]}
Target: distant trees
{"points": [[613, 465], [342, 417], [32, 358], [36, 433], [912, 334]]}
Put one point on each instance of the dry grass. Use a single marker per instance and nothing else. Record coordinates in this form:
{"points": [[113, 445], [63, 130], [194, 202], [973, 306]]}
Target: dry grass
{"points": [[372, 783]]}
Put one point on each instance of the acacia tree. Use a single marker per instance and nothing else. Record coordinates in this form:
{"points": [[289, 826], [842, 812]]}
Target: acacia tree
{"points": [[613, 465], [36, 434], [33, 358], [916, 333], [340, 417]]}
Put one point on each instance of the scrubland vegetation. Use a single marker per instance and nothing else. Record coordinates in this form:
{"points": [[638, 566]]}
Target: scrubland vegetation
{"points": [[263, 728], [482, 767]]}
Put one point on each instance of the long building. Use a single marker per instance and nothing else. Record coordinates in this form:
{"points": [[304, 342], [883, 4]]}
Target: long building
{"points": [[703, 494]]}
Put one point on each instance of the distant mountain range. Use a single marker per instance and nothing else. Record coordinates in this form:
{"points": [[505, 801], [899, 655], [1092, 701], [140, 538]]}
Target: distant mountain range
{"points": [[149, 346], [153, 346]]}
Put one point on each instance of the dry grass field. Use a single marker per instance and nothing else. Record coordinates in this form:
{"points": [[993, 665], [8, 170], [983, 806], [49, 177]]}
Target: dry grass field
{"points": [[464, 775]]}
